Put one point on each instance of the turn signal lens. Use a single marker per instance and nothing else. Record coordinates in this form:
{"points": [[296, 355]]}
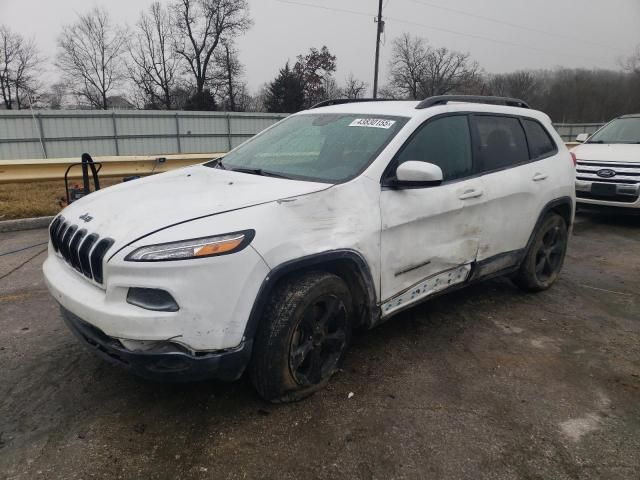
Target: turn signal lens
{"points": [[194, 248], [218, 247]]}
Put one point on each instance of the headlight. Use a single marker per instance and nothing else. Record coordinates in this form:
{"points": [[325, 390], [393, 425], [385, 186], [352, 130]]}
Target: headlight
{"points": [[194, 248]]}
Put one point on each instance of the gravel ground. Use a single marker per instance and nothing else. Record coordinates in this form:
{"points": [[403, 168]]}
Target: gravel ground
{"points": [[486, 382]]}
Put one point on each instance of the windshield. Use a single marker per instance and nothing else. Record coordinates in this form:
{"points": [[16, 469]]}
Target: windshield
{"points": [[329, 148], [621, 130]]}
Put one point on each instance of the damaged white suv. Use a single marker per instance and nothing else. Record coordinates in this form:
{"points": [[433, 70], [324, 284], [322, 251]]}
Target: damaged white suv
{"points": [[335, 218]]}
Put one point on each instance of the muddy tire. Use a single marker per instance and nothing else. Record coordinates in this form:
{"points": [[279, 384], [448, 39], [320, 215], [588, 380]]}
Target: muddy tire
{"points": [[545, 257], [302, 337]]}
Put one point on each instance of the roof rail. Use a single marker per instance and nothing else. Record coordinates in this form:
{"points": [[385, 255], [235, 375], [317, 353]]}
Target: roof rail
{"points": [[342, 101], [444, 99]]}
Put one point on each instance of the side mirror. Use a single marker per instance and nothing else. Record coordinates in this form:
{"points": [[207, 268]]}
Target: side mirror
{"points": [[582, 137], [417, 174]]}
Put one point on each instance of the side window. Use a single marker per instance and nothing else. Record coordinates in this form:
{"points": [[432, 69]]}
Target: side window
{"points": [[501, 142], [445, 142], [540, 143]]}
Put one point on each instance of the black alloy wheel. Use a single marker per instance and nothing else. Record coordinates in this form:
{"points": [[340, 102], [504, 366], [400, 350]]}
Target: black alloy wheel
{"points": [[550, 252], [319, 340], [303, 336], [544, 258]]}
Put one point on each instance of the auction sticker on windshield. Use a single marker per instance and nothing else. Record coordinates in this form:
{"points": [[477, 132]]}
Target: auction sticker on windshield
{"points": [[372, 123]]}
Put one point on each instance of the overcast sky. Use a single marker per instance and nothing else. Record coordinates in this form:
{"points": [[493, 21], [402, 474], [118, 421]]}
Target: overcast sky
{"points": [[502, 35]]}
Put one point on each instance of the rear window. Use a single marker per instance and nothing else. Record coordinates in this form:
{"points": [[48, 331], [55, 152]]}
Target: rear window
{"points": [[502, 142], [540, 143]]}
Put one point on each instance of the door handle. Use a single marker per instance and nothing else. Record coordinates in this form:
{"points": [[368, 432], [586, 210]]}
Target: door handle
{"points": [[539, 177], [470, 193]]}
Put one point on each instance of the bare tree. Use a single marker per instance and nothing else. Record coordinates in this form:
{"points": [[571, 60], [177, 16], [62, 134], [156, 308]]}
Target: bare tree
{"points": [[55, 97], [408, 65], [632, 64], [331, 90], [153, 60], [228, 77], [201, 25], [91, 56], [521, 84], [447, 71], [390, 93], [19, 65], [354, 88], [419, 70], [256, 103], [8, 54]]}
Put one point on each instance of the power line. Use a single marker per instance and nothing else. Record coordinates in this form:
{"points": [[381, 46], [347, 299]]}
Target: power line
{"points": [[409, 22], [489, 39], [322, 7], [514, 25]]}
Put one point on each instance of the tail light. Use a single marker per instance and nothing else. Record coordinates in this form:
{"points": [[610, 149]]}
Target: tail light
{"points": [[573, 158]]}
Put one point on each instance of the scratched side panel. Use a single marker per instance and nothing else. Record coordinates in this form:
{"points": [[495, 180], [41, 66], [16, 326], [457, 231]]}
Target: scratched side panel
{"points": [[344, 216], [427, 231]]}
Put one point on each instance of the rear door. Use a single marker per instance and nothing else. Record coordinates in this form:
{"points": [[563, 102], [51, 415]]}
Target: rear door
{"points": [[431, 232], [517, 158]]}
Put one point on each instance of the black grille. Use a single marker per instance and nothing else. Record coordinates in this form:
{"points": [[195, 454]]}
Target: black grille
{"points": [[53, 230], [97, 256], [83, 252], [610, 198], [74, 250]]}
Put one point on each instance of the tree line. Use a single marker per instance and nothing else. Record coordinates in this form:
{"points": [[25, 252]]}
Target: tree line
{"points": [[567, 95], [183, 55]]}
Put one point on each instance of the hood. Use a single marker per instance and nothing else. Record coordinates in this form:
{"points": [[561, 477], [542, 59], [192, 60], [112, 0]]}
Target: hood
{"points": [[130, 210], [604, 152]]}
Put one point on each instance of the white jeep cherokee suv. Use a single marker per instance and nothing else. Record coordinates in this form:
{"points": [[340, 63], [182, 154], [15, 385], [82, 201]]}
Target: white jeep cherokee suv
{"points": [[335, 218], [608, 172]]}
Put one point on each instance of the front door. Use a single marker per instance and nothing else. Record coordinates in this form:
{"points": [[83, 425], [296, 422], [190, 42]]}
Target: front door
{"points": [[431, 235]]}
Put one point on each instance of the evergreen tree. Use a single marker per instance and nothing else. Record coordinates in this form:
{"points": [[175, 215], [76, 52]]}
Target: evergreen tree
{"points": [[286, 93], [203, 101]]}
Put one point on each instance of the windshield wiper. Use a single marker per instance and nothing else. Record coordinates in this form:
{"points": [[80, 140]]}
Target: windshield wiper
{"points": [[260, 171]]}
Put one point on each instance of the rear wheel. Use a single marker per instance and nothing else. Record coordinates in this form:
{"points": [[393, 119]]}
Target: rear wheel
{"points": [[302, 337], [544, 259]]}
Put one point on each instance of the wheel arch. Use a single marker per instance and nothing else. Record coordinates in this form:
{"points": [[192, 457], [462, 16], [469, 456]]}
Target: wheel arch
{"points": [[563, 206], [347, 264]]}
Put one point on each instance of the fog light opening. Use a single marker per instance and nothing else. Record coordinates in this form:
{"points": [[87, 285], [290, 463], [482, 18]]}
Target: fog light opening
{"points": [[152, 299]]}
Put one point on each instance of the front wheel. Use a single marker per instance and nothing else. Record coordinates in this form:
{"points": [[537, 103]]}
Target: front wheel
{"points": [[543, 261], [302, 338]]}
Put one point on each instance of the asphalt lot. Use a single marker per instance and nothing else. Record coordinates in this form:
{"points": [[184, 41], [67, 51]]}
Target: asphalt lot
{"points": [[486, 382]]}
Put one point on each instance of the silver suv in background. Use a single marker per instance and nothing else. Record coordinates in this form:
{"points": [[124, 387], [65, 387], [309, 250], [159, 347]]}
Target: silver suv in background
{"points": [[608, 165]]}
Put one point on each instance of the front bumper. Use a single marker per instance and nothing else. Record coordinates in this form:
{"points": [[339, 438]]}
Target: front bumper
{"points": [[623, 196], [215, 296], [168, 363]]}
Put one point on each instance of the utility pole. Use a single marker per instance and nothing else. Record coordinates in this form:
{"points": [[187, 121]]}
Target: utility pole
{"points": [[380, 25]]}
